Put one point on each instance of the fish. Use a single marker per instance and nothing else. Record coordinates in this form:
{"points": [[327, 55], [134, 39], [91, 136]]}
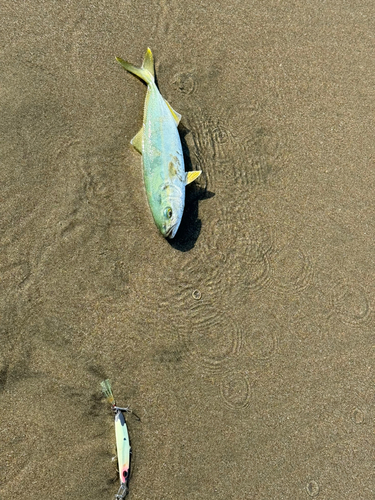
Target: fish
{"points": [[159, 143], [122, 440]]}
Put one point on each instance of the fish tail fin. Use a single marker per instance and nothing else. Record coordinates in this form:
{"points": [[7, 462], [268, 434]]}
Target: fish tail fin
{"points": [[148, 62], [107, 391], [145, 72]]}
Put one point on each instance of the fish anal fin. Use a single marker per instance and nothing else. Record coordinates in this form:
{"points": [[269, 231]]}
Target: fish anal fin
{"points": [[176, 116], [191, 176], [136, 142]]}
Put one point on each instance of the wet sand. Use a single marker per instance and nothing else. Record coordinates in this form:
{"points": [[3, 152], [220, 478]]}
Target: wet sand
{"points": [[246, 345]]}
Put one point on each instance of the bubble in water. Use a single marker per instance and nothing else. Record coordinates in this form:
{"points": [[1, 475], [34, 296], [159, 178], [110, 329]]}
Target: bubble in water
{"points": [[350, 302], [312, 488], [185, 83], [358, 416], [235, 390], [291, 269]]}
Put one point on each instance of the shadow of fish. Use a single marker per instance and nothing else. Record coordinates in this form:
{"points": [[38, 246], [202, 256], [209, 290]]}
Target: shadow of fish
{"points": [[159, 143]]}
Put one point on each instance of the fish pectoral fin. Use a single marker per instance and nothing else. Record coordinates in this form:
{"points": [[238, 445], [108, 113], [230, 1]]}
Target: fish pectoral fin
{"points": [[176, 116], [191, 176], [136, 142]]}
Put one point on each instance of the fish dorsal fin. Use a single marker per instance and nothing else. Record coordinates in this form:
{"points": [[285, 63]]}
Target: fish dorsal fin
{"points": [[148, 62], [176, 116], [191, 176], [137, 140]]}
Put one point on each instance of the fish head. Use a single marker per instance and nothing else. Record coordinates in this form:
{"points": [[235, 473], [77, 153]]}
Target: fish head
{"points": [[171, 208]]}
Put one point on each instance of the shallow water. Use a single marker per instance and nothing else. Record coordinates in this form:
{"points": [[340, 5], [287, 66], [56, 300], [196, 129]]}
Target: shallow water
{"points": [[244, 345]]}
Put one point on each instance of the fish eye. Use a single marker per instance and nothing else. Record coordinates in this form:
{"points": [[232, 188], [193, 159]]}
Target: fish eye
{"points": [[168, 212]]}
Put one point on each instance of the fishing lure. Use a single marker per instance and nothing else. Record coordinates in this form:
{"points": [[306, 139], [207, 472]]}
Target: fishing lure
{"points": [[122, 440], [159, 143]]}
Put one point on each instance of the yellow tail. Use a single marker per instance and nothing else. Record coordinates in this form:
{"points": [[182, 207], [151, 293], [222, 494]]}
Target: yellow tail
{"points": [[145, 72]]}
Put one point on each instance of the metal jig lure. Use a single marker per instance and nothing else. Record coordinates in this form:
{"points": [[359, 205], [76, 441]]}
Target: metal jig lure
{"points": [[122, 440]]}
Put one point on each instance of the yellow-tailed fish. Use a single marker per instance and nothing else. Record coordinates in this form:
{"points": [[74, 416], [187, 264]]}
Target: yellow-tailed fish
{"points": [[122, 440], [159, 143]]}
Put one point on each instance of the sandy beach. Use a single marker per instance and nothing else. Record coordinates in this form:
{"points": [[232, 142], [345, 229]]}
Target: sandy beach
{"points": [[246, 344]]}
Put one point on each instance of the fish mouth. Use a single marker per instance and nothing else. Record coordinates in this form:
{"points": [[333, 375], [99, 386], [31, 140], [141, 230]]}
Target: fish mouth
{"points": [[170, 233]]}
